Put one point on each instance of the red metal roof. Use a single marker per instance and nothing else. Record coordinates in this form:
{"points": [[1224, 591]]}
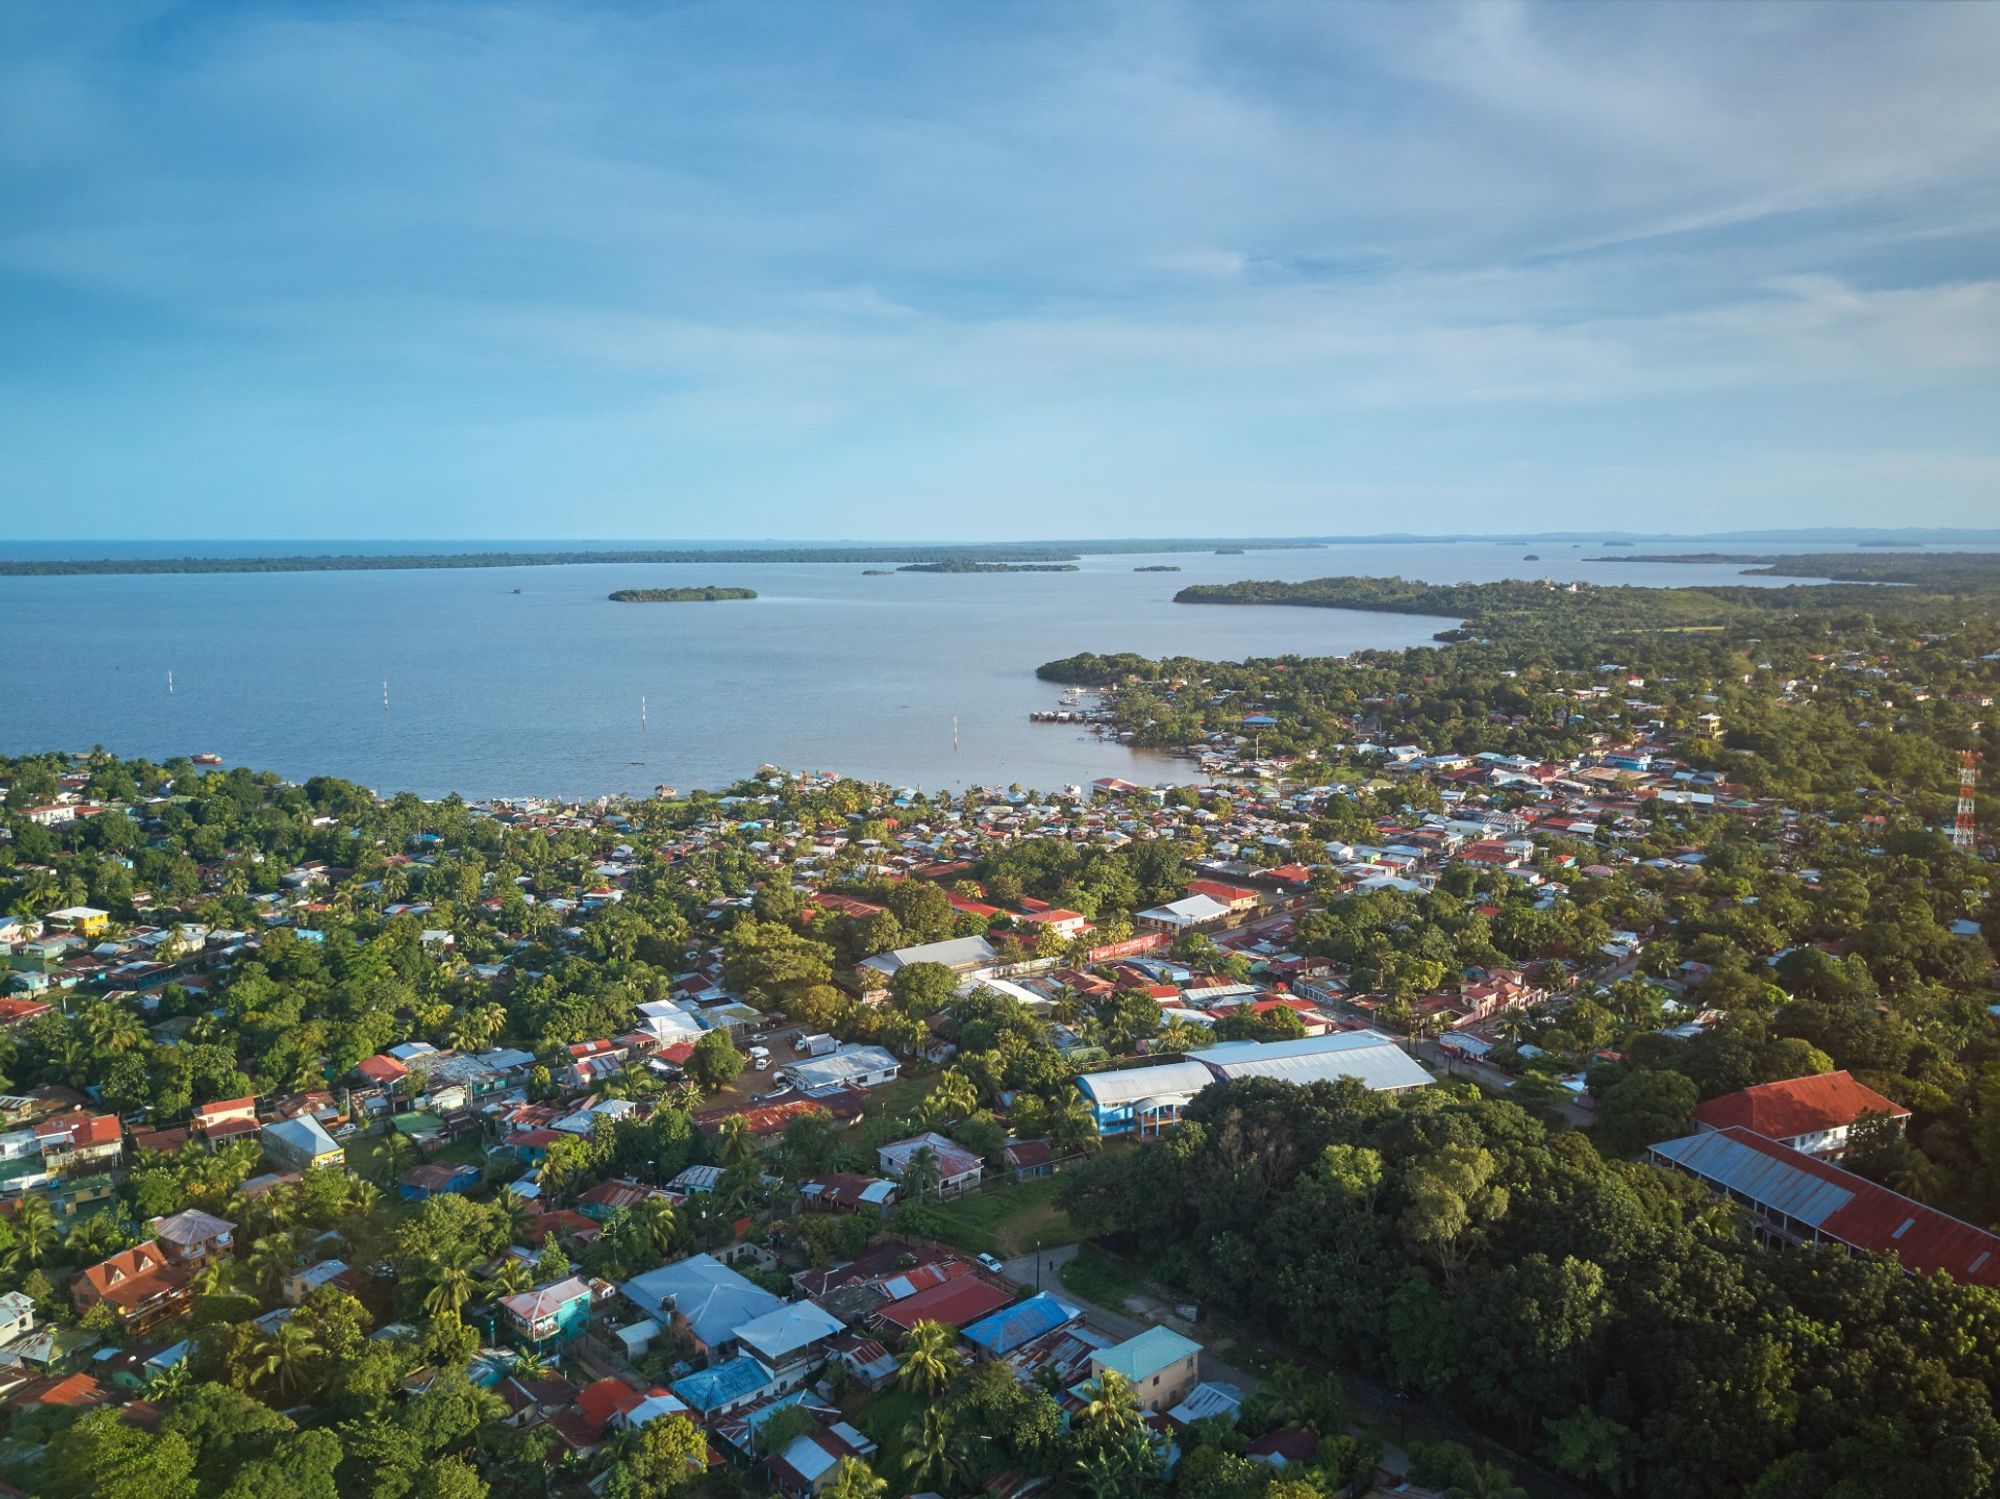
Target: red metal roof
{"points": [[957, 1302], [1885, 1222], [1797, 1106]]}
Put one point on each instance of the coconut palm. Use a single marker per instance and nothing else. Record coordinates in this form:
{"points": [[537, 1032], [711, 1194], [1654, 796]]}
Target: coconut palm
{"points": [[1112, 1412], [113, 1028], [738, 1144], [1489, 1481], [930, 1357], [450, 1277], [269, 1261], [394, 1157], [510, 1279], [286, 1355], [930, 1455], [35, 1234], [920, 1173], [658, 1224]]}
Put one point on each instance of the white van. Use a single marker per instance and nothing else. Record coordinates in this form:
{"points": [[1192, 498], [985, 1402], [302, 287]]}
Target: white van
{"points": [[760, 1058]]}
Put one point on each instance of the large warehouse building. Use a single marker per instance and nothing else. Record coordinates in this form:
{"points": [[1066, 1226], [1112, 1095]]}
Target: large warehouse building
{"points": [[1145, 1100]]}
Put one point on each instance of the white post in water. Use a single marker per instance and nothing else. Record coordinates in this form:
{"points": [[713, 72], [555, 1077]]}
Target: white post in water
{"points": [[385, 697], [642, 713], [170, 684]]}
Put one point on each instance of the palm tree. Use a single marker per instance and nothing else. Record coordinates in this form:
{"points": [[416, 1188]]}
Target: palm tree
{"points": [[171, 1382], [394, 1157], [285, 1356], [450, 1276], [738, 1144], [510, 1279], [1489, 1481], [270, 1258], [35, 1234], [659, 1226], [930, 1357], [532, 1363], [113, 1028], [364, 1198], [519, 1213], [1112, 1411], [920, 1173], [930, 1456]]}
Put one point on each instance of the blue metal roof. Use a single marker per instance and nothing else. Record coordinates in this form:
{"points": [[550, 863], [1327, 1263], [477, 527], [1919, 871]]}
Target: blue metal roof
{"points": [[1773, 1184], [1008, 1329], [710, 1389]]}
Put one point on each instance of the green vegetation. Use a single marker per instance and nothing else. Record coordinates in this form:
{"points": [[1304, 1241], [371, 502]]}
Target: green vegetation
{"points": [[1939, 571], [680, 595], [966, 565], [1157, 568], [1095, 1276]]}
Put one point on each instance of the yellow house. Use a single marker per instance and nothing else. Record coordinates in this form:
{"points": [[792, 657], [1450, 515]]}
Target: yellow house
{"points": [[85, 921]]}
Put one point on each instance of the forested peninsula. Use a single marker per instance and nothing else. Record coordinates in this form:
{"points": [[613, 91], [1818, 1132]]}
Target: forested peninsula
{"points": [[707, 595], [967, 565]]}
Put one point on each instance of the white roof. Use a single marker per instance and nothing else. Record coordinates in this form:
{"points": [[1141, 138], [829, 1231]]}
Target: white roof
{"points": [[1110, 1090], [958, 952], [1187, 910], [1368, 1056], [790, 1327]]}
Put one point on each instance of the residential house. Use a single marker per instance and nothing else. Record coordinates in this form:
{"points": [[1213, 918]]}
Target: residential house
{"points": [[301, 1283], [548, 1314], [17, 1316], [301, 1144], [195, 1238], [703, 1300], [791, 1342], [849, 1067], [728, 1386], [421, 1183], [1160, 1365], [957, 1168], [140, 1284], [75, 1144], [224, 1118]]}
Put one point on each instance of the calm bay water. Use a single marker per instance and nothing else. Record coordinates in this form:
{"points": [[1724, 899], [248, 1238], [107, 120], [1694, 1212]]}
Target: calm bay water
{"points": [[494, 692]]}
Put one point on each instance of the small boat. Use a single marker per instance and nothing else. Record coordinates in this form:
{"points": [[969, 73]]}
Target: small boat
{"points": [[208, 759]]}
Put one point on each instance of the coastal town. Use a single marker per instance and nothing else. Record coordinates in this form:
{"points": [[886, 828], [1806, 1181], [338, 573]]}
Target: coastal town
{"points": [[783, 1140]]}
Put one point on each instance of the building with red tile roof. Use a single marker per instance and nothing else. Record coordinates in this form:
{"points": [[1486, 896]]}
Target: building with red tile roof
{"points": [[141, 1284], [957, 1302], [1811, 1114]]}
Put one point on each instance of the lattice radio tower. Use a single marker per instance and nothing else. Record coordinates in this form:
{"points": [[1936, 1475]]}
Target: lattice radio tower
{"points": [[1968, 783]]}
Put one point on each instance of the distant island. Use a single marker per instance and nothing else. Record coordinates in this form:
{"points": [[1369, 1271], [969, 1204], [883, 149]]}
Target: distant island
{"points": [[708, 595], [1167, 567], [1229, 551], [877, 572], [965, 565], [1532, 557]]}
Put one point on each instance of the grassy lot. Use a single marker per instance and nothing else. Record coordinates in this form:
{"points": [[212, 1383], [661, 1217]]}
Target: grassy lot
{"points": [[1097, 1277], [1015, 1219], [900, 1097], [884, 1419]]}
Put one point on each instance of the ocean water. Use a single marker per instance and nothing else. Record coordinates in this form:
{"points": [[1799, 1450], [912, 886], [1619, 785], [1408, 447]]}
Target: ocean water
{"points": [[517, 681]]}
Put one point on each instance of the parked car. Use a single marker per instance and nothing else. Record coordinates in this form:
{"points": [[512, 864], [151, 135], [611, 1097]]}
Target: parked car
{"points": [[990, 1263]]}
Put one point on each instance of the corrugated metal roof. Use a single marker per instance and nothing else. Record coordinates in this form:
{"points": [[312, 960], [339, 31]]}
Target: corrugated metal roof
{"points": [[1843, 1206], [1779, 1185], [1367, 1056], [1110, 1090]]}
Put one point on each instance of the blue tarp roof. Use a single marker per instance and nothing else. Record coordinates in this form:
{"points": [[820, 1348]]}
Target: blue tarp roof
{"points": [[1007, 1330]]}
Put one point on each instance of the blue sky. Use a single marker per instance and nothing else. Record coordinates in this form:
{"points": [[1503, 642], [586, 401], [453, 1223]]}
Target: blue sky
{"points": [[808, 270]]}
